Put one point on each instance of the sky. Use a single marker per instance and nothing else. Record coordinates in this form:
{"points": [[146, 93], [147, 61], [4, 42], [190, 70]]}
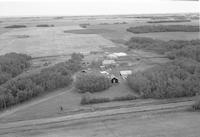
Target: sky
{"points": [[94, 7]]}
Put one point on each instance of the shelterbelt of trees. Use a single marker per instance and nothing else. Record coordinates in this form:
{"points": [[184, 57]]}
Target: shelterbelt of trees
{"points": [[20, 89], [160, 46], [178, 78], [163, 28]]}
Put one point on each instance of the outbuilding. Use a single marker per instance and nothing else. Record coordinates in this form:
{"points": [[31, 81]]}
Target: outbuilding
{"points": [[108, 62], [114, 79], [125, 73]]}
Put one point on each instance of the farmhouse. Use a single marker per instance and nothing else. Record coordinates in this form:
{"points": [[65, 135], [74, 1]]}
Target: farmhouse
{"points": [[125, 73]]}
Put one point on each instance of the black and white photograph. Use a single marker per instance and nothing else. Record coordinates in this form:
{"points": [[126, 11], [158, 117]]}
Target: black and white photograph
{"points": [[99, 68]]}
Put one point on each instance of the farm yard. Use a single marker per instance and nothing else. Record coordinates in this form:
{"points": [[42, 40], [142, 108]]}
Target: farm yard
{"points": [[93, 64]]}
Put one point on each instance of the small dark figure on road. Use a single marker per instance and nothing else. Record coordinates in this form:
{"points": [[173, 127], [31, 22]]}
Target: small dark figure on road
{"points": [[60, 108]]}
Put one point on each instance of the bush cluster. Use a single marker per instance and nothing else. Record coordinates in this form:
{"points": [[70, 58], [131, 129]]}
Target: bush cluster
{"points": [[163, 28], [92, 82], [23, 88]]}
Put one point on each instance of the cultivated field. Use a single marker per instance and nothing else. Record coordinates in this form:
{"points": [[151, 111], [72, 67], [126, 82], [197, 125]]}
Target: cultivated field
{"points": [[50, 42]]}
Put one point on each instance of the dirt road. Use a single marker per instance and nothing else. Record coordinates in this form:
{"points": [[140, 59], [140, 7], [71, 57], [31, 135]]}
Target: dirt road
{"points": [[143, 121]]}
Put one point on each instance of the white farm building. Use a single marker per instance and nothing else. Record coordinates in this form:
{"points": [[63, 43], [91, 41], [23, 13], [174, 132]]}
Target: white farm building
{"points": [[125, 73], [108, 62], [116, 55]]}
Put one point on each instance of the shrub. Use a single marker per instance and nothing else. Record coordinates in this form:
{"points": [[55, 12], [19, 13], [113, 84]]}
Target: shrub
{"points": [[15, 26], [91, 82]]}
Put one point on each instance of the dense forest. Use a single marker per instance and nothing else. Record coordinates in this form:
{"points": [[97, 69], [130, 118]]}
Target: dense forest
{"points": [[163, 28], [179, 77], [12, 64], [160, 46], [23, 88]]}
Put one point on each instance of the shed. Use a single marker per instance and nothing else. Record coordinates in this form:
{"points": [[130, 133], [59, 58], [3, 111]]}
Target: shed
{"points": [[125, 73], [120, 54], [114, 79], [116, 55], [108, 62], [104, 72]]}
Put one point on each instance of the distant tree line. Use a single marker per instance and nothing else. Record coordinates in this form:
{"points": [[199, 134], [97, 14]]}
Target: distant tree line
{"points": [[15, 26], [179, 77], [160, 46], [45, 25], [163, 28], [23, 88], [169, 21]]}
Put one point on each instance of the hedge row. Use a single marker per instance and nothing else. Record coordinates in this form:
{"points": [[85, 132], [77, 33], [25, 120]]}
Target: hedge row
{"points": [[86, 99]]}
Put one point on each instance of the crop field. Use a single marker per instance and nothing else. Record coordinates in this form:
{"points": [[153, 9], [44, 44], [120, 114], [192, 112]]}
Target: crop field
{"points": [[39, 42]]}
